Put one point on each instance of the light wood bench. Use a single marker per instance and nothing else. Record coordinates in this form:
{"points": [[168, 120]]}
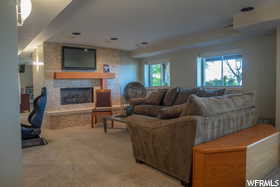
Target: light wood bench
{"points": [[231, 160]]}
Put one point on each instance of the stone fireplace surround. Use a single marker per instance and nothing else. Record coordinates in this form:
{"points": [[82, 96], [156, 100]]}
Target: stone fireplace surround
{"points": [[61, 116]]}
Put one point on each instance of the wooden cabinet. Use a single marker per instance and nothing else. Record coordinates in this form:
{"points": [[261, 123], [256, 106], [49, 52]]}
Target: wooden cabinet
{"points": [[229, 161], [24, 103]]}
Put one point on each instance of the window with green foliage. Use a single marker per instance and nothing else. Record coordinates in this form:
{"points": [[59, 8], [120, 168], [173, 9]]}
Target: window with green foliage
{"points": [[157, 75], [220, 71]]}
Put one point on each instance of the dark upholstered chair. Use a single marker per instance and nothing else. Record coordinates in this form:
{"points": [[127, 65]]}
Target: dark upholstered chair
{"points": [[33, 130]]}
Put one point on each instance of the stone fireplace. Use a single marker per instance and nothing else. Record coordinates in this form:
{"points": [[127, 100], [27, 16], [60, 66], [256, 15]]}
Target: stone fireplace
{"points": [[76, 95], [66, 107]]}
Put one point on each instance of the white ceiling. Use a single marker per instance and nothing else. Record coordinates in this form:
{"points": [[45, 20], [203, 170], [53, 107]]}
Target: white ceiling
{"points": [[43, 12], [136, 21]]}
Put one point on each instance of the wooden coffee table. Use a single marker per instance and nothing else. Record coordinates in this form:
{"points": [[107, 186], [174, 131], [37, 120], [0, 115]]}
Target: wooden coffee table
{"points": [[118, 118]]}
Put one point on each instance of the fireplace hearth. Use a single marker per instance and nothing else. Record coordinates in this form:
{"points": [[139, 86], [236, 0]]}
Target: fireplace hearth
{"points": [[76, 95]]}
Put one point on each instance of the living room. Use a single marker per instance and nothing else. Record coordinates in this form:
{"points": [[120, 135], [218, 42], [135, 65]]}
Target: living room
{"points": [[134, 93]]}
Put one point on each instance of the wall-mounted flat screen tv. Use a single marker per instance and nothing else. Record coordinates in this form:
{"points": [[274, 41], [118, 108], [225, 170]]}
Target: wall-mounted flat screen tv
{"points": [[74, 58]]}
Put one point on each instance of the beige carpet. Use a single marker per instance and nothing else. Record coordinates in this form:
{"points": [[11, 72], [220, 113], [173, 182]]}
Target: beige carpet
{"points": [[85, 157]]}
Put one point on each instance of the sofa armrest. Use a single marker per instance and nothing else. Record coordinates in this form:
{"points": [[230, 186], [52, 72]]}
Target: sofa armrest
{"points": [[165, 144], [156, 123], [137, 101]]}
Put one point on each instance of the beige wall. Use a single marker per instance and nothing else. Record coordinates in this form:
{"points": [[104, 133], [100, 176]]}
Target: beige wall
{"points": [[38, 70], [26, 78], [10, 141], [129, 71], [259, 68]]}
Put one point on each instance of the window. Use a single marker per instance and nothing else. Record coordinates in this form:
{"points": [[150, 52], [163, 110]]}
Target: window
{"points": [[157, 75], [220, 71]]}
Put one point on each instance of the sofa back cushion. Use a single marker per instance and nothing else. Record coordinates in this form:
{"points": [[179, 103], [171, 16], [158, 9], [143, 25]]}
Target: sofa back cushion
{"points": [[170, 96], [170, 112], [155, 97], [210, 92], [183, 95], [147, 110], [211, 106]]}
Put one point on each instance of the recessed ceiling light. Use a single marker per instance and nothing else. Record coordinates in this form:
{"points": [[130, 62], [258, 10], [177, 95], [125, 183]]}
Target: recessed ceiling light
{"points": [[247, 9], [114, 38], [76, 33], [144, 43]]}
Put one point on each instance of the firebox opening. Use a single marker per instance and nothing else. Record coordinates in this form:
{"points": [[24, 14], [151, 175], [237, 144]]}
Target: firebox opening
{"points": [[76, 95]]}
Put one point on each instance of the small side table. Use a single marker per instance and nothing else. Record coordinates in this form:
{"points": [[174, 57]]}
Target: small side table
{"points": [[118, 118]]}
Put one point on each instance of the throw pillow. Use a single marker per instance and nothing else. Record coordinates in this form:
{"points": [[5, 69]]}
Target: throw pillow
{"points": [[154, 98], [170, 112], [170, 96], [136, 101], [183, 95], [192, 107]]}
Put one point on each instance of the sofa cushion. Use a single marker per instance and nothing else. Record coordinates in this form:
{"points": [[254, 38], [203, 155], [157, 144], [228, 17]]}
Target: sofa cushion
{"points": [[210, 92], [212, 106], [149, 110], [170, 112], [155, 98], [136, 101], [144, 121], [183, 95], [170, 96]]}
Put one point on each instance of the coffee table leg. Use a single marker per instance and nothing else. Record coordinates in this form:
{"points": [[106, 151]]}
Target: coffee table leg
{"points": [[105, 125], [113, 124]]}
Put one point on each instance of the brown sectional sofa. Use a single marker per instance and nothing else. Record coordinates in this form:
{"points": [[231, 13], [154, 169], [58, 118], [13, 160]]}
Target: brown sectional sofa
{"points": [[166, 142], [164, 100]]}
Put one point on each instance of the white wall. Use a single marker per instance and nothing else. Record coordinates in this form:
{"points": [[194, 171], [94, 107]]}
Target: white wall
{"points": [[10, 154], [38, 71], [129, 71], [259, 68]]}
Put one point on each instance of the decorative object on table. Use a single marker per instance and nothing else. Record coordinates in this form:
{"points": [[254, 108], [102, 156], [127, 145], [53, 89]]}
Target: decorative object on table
{"points": [[106, 68], [30, 133]]}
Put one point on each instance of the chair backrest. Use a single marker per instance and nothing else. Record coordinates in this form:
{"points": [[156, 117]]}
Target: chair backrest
{"points": [[36, 116], [103, 98]]}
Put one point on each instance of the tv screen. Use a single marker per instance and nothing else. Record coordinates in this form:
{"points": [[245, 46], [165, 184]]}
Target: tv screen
{"points": [[78, 58]]}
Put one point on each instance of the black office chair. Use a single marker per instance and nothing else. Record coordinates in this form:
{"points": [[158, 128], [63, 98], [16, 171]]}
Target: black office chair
{"points": [[30, 134]]}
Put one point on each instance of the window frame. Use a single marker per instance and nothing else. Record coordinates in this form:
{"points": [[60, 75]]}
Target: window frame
{"points": [[200, 76], [164, 70]]}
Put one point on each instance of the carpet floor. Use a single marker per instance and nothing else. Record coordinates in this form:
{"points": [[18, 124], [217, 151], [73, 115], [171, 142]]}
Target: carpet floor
{"points": [[86, 157]]}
